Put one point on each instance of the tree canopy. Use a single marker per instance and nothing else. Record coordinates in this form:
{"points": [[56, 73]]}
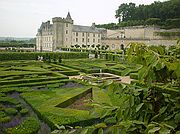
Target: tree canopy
{"points": [[165, 14]]}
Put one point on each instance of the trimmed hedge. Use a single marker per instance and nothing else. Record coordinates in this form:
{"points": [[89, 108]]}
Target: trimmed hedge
{"points": [[113, 57], [34, 83], [31, 80], [24, 111], [11, 111], [73, 99], [45, 55], [28, 126]]}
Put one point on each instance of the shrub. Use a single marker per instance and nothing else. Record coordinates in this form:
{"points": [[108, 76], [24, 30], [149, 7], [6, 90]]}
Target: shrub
{"points": [[46, 56], [11, 111], [28, 126], [110, 120], [8, 100], [2, 114], [18, 107], [1, 107], [24, 111], [31, 80], [5, 119]]}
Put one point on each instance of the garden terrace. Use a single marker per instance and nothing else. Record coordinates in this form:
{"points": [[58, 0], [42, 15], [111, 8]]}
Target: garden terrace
{"points": [[22, 73], [95, 65], [150, 104], [54, 105]]}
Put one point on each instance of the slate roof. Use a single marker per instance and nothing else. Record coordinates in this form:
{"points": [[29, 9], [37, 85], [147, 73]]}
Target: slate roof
{"points": [[79, 28]]}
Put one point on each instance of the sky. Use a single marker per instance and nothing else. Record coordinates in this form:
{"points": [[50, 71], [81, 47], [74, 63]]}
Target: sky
{"points": [[22, 18]]}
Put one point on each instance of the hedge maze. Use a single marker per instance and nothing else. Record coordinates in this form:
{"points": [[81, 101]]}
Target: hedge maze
{"points": [[46, 88], [40, 92]]}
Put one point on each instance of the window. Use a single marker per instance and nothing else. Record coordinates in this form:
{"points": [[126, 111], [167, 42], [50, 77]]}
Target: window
{"points": [[83, 34], [98, 35], [93, 40], [66, 24], [76, 39], [82, 39], [122, 47], [76, 34], [88, 40], [98, 40], [93, 35], [88, 34], [66, 31]]}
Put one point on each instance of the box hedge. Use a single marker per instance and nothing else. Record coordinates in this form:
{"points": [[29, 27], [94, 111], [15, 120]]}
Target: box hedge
{"points": [[11, 111], [45, 55], [28, 126]]}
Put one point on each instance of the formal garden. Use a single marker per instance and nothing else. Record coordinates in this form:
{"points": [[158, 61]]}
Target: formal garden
{"points": [[68, 92]]}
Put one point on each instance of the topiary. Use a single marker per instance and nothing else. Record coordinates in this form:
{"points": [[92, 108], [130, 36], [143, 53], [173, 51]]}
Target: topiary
{"points": [[5, 119], [11, 111], [18, 107], [28, 126], [24, 111], [1, 107]]}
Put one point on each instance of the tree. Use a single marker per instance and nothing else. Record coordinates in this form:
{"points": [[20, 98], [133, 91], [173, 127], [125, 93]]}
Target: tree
{"points": [[153, 21]]}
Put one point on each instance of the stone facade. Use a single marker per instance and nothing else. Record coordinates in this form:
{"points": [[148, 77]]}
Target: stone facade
{"points": [[63, 33], [143, 34]]}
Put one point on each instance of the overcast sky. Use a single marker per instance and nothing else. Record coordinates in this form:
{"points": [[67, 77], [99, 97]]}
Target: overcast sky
{"points": [[22, 18]]}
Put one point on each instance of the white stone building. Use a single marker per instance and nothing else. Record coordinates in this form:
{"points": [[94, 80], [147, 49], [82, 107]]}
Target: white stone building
{"points": [[62, 33]]}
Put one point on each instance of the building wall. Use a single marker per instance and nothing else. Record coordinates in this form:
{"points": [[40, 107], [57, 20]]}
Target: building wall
{"points": [[116, 44], [50, 37], [112, 43], [67, 34], [134, 33], [115, 33], [85, 38], [58, 32]]}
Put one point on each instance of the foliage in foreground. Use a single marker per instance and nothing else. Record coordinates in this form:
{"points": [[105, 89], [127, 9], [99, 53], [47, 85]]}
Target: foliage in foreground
{"points": [[149, 106]]}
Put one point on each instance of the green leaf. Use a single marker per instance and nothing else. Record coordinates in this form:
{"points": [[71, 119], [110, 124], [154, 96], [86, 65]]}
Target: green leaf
{"points": [[177, 118], [100, 125], [139, 107], [164, 131], [142, 73], [114, 130], [131, 100], [159, 65], [105, 113], [151, 59], [178, 132], [84, 131], [168, 117], [162, 110], [100, 131], [152, 131]]}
